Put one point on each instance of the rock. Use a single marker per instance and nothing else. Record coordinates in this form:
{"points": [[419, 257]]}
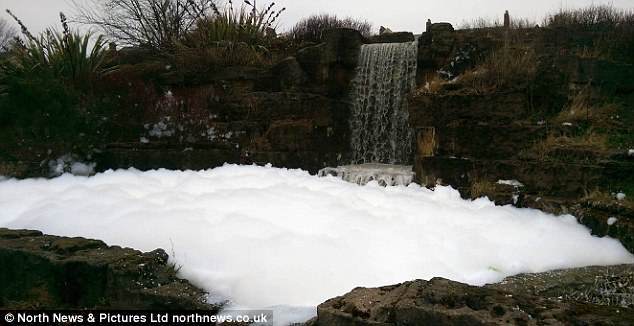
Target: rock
{"points": [[602, 285], [342, 46], [444, 302], [288, 74], [398, 37], [312, 61], [384, 30], [48, 272], [332, 64], [441, 28]]}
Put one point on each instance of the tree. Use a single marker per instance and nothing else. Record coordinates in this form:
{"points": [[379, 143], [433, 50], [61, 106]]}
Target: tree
{"points": [[156, 24]]}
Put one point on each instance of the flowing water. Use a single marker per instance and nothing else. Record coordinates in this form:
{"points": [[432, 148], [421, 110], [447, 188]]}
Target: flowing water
{"points": [[379, 120], [381, 139]]}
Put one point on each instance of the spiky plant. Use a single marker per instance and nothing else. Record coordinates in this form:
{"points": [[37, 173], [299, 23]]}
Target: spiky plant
{"points": [[68, 54], [248, 24], [46, 88]]}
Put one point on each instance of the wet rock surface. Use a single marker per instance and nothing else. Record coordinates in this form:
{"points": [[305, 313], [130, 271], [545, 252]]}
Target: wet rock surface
{"points": [[553, 298], [48, 272]]}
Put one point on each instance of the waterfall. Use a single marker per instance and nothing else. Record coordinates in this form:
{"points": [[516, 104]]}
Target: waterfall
{"points": [[379, 125]]}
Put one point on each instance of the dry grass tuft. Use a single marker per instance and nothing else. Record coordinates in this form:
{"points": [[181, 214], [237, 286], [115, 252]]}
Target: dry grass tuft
{"points": [[433, 85], [504, 69], [581, 110], [481, 188], [590, 142], [599, 197], [487, 23]]}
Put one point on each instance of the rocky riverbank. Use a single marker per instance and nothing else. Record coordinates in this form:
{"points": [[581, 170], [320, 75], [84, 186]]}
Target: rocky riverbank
{"points": [[585, 296], [48, 272]]}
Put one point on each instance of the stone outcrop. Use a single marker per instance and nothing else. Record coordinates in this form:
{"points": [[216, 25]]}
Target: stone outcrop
{"points": [[294, 114], [48, 272], [571, 297], [392, 37], [471, 136]]}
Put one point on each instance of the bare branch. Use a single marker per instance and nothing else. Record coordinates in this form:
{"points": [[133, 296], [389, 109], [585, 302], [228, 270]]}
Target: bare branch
{"points": [[7, 33], [157, 24]]}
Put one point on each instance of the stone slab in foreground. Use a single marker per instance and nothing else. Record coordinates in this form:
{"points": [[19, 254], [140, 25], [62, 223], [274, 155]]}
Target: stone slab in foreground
{"points": [[569, 297], [47, 272]]}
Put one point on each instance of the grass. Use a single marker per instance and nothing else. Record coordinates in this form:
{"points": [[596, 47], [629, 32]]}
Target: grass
{"points": [[481, 188], [433, 85], [505, 68], [209, 59], [581, 111], [555, 148], [488, 23], [604, 198]]}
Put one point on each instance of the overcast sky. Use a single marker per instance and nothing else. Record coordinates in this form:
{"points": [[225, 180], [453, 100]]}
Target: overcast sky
{"points": [[409, 15]]}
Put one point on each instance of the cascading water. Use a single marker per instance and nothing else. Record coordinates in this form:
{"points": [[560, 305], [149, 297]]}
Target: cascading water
{"points": [[379, 118], [379, 121]]}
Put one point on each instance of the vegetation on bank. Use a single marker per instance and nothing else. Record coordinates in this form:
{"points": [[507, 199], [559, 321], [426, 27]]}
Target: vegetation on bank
{"points": [[51, 84], [7, 33], [47, 90], [313, 29]]}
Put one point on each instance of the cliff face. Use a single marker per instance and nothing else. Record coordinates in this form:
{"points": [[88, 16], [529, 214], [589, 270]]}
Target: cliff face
{"points": [[562, 129], [294, 114]]}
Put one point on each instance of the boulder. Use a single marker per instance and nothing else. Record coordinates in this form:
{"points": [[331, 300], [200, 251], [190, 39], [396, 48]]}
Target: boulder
{"points": [[523, 300], [48, 272], [384, 30], [441, 28], [288, 74], [396, 37]]}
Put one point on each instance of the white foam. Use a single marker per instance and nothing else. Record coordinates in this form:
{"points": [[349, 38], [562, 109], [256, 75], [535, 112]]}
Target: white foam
{"points": [[362, 174], [265, 237]]}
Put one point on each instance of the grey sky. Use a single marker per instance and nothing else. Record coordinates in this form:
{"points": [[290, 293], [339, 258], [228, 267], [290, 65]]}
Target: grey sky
{"points": [[397, 14]]}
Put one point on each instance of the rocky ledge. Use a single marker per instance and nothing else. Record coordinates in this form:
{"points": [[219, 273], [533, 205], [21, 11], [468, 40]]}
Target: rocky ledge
{"points": [[48, 272], [586, 296]]}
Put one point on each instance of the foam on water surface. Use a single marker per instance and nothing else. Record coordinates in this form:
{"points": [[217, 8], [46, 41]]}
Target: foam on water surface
{"points": [[266, 237]]}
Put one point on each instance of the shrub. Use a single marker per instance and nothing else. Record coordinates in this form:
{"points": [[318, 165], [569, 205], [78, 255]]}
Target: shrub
{"points": [[247, 24], [313, 28], [611, 31], [46, 92], [196, 61], [6, 35], [156, 24], [593, 17], [483, 23], [230, 37], [68, 55]]}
